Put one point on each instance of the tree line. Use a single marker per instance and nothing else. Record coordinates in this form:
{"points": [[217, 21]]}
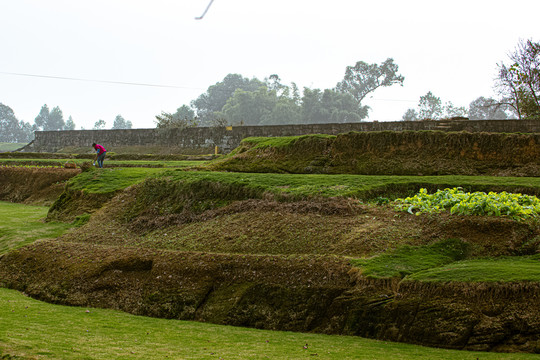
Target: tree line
{"points": [[517, 84], [237, 100], [241, 101], [19, 131]]}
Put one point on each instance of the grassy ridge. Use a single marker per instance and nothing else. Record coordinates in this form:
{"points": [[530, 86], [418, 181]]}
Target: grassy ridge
{"points": [[307, 185], [360, 186], [102, 181], [507, 269], [33, 329], [446, 261]]}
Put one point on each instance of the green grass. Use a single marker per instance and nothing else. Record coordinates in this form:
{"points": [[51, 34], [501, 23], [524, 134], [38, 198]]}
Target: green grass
{"points": [[100, 181], [282, 141], [445, 261], [361, 186], [4, 146], [33, 329], [110, 163], [23, 224], [508, 269], [407, 260], [304, 185]]}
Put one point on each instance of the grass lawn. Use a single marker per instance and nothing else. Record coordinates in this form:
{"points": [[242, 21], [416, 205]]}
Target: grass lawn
{"points": [[37, 330], [4, 146], [512, 268], [22, 224], [446, 261], [111, 163], [112, 179]]}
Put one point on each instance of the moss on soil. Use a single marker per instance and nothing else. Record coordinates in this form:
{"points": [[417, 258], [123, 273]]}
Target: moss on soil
{"points": [[32, 185], [390, 153]]}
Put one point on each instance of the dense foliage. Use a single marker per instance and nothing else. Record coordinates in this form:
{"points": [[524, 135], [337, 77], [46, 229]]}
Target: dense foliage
{"points": [[455, 200], [11, 129], [241, 101]]}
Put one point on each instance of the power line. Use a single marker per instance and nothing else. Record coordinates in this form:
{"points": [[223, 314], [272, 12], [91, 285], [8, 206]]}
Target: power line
{"points": [[145, 84], [100, 81]]}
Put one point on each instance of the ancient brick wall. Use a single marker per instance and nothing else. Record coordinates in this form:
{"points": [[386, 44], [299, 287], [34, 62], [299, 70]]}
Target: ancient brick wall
{"points": [[226, 139]]}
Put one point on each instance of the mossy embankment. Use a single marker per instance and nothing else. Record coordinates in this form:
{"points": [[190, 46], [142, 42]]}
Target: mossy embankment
{"points": [[297, 293], [33, 185], [389, 153], [299, 252], [92, 189]]}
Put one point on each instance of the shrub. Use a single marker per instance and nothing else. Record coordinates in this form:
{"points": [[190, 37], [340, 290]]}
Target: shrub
{"points": [[458, 202]]}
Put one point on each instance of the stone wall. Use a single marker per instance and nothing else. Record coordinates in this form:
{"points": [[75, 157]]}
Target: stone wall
{"points": [[203, 139]]}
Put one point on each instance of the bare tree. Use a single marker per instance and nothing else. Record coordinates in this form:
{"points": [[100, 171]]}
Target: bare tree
{"points": [[519, 82]]}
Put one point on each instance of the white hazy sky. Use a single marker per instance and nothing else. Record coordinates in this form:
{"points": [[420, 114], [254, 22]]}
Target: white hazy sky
{"points": [[448, 47]]}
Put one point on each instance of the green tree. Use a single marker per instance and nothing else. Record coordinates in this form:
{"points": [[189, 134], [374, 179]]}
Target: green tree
{"points": [[209, 104], [185, 112], [70, 124], [25, 132], [410, 115], [121, 123], [285, 111], [249, 107], [42, 119], [519, 82], [330, 106], [11, 129], [56, 120], [182, 118], [273, 83], [99, 125], [363, 78], [312, 109], [9, 124], [430, 107], [451, 111], [489, 109], [49, 120]]}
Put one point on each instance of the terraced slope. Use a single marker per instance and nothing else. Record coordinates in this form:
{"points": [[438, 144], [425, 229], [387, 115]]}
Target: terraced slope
{"points": [[200, 246]]}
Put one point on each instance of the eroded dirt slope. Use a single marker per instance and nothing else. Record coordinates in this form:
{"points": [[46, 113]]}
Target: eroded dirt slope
{"points": [[40, 186]]}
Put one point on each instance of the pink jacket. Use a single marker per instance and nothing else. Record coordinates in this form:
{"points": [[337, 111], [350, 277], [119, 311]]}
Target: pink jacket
{"points": [[100, 149]]}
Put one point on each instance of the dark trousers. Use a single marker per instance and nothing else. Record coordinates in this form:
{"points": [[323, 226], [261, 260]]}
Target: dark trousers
{"points": [[100, 159]]}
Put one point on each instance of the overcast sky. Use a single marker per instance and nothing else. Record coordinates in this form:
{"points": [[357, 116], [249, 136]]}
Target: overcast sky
{"points": [[450, 48]]}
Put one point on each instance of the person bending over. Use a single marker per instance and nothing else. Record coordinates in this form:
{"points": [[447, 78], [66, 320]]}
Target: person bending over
{"points": [[100, 154]]}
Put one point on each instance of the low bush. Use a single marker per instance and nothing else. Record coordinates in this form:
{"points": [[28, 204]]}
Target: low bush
{"points": [[458, 202]]}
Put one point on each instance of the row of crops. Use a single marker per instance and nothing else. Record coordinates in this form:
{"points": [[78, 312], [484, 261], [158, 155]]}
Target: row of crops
{"points": [[459, 202]]}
